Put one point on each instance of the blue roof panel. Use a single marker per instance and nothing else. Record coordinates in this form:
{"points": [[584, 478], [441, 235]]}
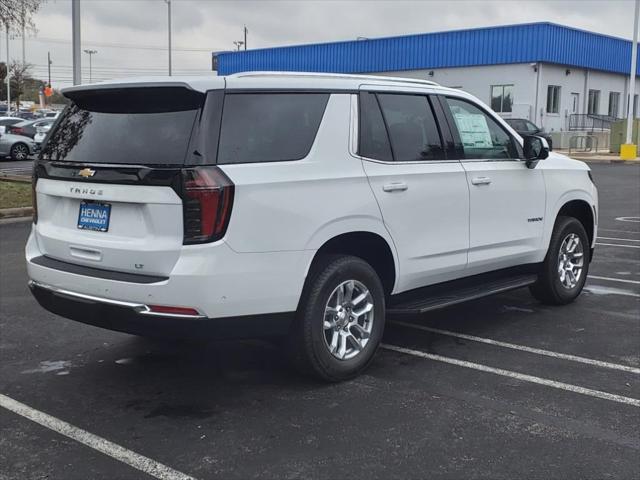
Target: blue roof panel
{"points": [[533, 42]]}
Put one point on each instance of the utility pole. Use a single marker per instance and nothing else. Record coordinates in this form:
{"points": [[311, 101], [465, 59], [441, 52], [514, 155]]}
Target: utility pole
{"points": [[245, 37], [75, 40], [49, 66], [24, 62], [628, 151], [169, 30], [90, 53], [8, 75]]}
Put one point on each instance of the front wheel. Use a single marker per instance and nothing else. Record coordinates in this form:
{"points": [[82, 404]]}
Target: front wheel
{"points": [[19, 152], [565, 268], [340, 320]]}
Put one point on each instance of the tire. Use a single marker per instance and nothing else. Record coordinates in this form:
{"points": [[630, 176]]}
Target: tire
{"points": [[311, 339], [19, 152], [553, 287]]}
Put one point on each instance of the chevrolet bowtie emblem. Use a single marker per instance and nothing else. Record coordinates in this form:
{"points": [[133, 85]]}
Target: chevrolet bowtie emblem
{"points": [[86, 172]]}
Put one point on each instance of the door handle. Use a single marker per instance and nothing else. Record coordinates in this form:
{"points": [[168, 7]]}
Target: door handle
{"points": [[481, 181], [395, 187]]}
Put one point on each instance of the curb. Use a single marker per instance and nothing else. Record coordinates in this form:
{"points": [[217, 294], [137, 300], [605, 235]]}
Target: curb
{"points": [[15, 178], [16, 212]]}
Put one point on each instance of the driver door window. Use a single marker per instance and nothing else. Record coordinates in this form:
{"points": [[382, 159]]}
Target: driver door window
{"points": [[482, 137]]}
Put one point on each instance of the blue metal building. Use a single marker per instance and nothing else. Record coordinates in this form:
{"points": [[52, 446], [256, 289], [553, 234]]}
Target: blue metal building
{"points": [[526, 43], [550, 74]]}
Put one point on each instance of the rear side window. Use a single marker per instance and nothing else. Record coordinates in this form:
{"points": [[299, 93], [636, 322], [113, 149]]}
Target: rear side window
{"points": [[412, 127], [269, 127], [140, 126], [374, 141]]}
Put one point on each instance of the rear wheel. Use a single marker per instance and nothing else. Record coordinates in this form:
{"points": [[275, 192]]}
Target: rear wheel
{"points": [[19, 152], [340, 319], [565, 268]]}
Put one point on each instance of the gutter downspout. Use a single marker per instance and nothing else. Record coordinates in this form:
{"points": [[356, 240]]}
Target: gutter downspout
{"points": [[535, 111]]}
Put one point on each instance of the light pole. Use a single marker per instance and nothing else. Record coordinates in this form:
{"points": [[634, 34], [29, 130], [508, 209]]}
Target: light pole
{"points": [[169, 30], [628, 151], [238, 44], [245, 37], [75, 40], [90, 53]]}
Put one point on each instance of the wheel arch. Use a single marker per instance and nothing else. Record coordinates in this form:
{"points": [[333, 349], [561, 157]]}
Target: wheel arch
{"points": [[369, 246], [581, 210]]}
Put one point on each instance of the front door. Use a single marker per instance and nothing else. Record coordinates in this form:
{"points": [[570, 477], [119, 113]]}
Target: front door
{"points": [[423, 196], [507, 199]]}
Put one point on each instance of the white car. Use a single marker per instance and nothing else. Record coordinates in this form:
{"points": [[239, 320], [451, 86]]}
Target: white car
{"points": [[310, 206], [41, 134]]}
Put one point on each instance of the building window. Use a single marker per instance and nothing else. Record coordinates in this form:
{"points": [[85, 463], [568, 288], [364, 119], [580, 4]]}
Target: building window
{"points": [[614, 104], [593, 107], [502, 98], [553, 99]]}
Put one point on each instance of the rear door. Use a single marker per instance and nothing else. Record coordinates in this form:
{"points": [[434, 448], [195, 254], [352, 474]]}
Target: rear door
{"points": [[421, 190], [108, 179], [507, 199]]}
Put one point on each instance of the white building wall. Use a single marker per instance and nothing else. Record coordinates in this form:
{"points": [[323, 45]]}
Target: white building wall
{"points": [[524, 77]]}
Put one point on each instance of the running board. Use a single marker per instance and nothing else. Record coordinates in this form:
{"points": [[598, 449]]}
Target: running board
{"points": [[452, 293]]}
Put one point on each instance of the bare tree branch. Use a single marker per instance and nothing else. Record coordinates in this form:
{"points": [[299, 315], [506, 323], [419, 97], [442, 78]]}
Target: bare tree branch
{"points": [[18, 13]]}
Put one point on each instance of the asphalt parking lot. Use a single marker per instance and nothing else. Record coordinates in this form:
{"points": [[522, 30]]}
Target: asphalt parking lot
{"points": [[499, 388]]}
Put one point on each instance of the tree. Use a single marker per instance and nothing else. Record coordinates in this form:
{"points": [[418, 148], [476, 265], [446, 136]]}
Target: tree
{"points": [[17, 14], [20, 75]]}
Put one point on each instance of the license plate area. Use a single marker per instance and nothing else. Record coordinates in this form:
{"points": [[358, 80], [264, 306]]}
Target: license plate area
{"points": [[94, 216]]}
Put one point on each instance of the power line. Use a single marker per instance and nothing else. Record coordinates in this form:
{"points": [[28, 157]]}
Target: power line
{"points": [[122, 45]]}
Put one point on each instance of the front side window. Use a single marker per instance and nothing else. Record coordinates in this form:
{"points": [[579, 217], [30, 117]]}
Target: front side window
{"points": [[269, 127], [482, 137], [593, 107], [553, 99], [412, 127], [531, 127], [614, 104], [502, 98]]}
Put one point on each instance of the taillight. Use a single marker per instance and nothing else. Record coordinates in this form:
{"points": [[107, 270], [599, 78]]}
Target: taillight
{"points": [[207, 200], [17, 130], [34, 196]]}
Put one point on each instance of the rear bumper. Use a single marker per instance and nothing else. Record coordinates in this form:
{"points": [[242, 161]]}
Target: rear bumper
{"points": [[129, 317]]}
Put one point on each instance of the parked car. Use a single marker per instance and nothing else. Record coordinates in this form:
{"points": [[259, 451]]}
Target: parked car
{"points": [[41, 134], [525, 127], [6, 121], [28, 128], [15, 146], [27, 115], [310, 206]]}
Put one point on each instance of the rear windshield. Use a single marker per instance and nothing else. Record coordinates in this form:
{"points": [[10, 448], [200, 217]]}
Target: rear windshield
{"points": [[269, 127], [142, 126]]}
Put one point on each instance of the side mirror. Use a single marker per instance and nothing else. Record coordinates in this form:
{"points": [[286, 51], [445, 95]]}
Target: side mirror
{"points": [[535, 149]]}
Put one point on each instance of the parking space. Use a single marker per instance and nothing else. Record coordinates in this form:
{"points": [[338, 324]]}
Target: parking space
{"points": [[499, 388]]}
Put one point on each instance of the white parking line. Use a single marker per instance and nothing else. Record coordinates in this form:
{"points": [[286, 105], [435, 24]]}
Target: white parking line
{"points": [[621, 239], [523, 348], [133, 459], [620, 231], [616, 245], [609, 279], [518, 376]]}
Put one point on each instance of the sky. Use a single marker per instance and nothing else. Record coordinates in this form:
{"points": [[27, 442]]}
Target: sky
{"points": [[130, 36]]}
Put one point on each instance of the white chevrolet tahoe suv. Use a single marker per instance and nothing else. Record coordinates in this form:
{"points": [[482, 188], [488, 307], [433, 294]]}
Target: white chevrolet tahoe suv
{"points": [[309, 206]]}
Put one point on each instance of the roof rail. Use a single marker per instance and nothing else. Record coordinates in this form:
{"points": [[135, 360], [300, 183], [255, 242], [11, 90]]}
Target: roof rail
{"points": [[335, 75]]}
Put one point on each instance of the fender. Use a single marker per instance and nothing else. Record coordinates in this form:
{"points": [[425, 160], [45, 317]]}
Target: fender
{"points": [[552, 215], [350, 224]]}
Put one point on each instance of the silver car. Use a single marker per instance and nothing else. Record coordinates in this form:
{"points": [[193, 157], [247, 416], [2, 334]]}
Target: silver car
{"points": [[16, 146]]}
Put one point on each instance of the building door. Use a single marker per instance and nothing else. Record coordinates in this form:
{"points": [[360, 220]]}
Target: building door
{"points": [[575, 103]]}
